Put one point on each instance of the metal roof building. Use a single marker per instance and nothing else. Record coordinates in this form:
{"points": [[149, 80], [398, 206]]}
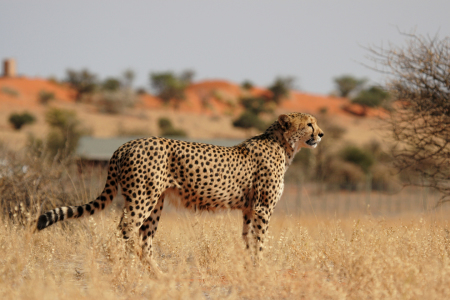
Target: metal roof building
{"points": [[101, 149]]}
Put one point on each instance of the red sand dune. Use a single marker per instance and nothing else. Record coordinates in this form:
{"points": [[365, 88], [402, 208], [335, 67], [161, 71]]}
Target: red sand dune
{"points": [[28, 90], [212, 97]]}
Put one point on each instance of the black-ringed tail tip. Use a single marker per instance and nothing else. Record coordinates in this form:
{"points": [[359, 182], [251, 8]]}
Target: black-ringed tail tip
{"points": [[69, 212]]}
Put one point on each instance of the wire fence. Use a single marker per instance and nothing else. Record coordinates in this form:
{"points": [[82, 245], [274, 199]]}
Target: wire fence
{"points": [[303, 200]]}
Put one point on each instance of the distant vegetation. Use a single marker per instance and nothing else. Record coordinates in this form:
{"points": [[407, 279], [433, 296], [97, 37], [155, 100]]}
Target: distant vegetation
{"points": [[62, 139], [170, 86], [9, 91], [280, 88], [112, 95], [356, 90], [18, 120], [168, 130], [256, 107], [83, 82], [348, 85], [247, 85], [352, 167], [45, 97]]}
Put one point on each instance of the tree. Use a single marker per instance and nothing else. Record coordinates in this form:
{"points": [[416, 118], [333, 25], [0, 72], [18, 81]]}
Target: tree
{"points": [[419, 80], [281, 87], [254, 106], [111, 84], [247, 85], [373, 96], [171, 87], [84, 82], [249, 120], [347, 84], [128, 77], [19, 120]]}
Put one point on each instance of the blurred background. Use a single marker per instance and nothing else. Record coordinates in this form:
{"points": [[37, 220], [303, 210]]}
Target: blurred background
{"points": [[81, 78]]}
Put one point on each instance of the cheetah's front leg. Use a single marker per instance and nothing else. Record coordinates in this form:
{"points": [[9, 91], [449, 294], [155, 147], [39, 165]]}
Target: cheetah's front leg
{"points": [[247, 227], [255, 226], [261, 218]]}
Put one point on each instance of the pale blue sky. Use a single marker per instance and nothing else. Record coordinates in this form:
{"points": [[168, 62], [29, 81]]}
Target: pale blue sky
{"points": [[313, 41]]}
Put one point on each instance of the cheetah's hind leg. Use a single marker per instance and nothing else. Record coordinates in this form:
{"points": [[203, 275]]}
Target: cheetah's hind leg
{"points": [[147, 232]]}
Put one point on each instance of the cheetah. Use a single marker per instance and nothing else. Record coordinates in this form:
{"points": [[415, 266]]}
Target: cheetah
{"points": [[200, 177]]}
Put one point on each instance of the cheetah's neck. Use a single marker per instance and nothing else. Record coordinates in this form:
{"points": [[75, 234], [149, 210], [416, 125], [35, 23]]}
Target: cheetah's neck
{"points": [[290, 149]]}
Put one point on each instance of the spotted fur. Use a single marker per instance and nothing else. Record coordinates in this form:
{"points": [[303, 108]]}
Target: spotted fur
{"points": [[248, 177]]}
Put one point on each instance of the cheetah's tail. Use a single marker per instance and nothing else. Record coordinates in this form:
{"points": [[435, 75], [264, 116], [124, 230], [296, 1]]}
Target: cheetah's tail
{"points": [[68, 212]]}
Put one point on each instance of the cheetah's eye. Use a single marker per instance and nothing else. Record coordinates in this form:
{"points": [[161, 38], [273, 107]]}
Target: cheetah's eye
{"points": [[309, 124]]}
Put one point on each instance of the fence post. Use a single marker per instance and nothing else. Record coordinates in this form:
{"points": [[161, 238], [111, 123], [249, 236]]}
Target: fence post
{"points": [[368, 188]]}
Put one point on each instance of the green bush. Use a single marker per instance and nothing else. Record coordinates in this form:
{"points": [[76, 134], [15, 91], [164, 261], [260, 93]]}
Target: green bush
{"points": [[9, 91], [248, 120], [247, 85], [373, 97], [167, 129], [280, 88], [257, 105], [111, 84], [18, 120], [359, 157], [45, 97], [164, 123]]}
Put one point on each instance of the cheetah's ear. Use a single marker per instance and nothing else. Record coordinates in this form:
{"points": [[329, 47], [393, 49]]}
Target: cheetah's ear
{"points": [[284, 121]]}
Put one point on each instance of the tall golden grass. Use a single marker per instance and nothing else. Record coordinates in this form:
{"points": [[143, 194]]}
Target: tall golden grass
{"points": [[203, 257], [308, 255]]}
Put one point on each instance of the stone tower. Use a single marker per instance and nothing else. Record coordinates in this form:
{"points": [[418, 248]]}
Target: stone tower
{"points": [[9, 68]]}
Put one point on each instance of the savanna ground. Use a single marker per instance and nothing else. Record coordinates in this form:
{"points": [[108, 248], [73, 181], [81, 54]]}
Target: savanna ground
{"points": [[330, 246], [203, 257]]}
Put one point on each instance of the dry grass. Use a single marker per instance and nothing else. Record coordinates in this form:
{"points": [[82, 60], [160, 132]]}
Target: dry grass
{"points": [[312, 254], [204, 257]]}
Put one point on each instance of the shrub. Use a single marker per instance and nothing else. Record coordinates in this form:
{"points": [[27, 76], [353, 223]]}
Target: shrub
{"points": [[18, 120], [280, 88], [257, 105], [138, 132], [372, 97], [343, 175], [45, 97], [9, 91], [115, 102], [248, 120], [247, 85], [65, 132], [111, 84], [167, 129], [359, 157]]}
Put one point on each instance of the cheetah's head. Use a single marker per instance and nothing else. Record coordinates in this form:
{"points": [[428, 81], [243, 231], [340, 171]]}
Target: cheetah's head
{"points": [[300, 130]]}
